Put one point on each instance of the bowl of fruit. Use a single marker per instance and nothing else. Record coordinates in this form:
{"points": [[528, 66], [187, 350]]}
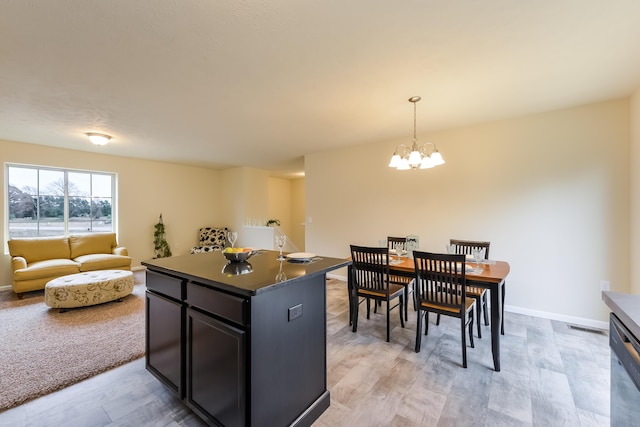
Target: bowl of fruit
{"points": [[237, 254]]}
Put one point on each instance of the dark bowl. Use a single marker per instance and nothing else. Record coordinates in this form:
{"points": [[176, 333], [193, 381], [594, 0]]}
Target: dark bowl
{"points": [[237, 256], [236, 268]]}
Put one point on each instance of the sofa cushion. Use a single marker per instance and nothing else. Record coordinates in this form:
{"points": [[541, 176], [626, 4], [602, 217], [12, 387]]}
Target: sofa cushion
{"points": [[94, 243], [40, 248], [94, 262], [46, 268]]}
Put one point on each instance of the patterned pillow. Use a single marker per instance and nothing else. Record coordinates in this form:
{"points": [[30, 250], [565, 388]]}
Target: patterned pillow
{"points": [[200, 249], [210, 236]]}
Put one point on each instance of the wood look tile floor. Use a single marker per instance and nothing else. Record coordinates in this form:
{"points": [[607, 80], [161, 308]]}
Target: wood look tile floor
{"points": [[552, 375]]}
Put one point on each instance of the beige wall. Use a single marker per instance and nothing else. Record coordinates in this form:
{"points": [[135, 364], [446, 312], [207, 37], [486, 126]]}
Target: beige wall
{"points": [[298, 201], [280, 203], [550, 191], [635, 191], [249, 193], [186, 196], [286, 203]]}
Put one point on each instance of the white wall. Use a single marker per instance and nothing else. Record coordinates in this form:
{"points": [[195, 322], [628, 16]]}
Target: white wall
{"points": [[186, 196], [550, 191]]}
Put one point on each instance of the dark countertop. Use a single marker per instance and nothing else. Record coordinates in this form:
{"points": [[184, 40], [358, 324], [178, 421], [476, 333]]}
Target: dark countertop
{"points": [[626, 307], [213, 268]]}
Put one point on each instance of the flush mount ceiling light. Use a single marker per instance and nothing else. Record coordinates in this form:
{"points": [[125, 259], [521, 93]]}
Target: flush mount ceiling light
{"points": [[417, 156], [98, 138]]}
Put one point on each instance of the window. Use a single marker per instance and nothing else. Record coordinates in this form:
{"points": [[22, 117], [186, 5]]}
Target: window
{"points": [[57, 202]]}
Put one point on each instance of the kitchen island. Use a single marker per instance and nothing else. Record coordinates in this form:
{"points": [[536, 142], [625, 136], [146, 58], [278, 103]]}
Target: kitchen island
{"points": [[243, 344]]}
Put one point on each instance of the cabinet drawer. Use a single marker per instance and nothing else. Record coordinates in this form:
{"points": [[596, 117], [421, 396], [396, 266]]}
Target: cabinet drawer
{"points": [[218, 303], [165, 285]]}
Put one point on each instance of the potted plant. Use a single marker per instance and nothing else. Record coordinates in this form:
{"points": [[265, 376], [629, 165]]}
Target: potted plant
{"points": [[160, 245]]}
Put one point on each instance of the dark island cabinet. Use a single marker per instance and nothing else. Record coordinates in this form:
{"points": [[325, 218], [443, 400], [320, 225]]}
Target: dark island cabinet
{"points": [[165, 332], [242, 350], [217, 349]]}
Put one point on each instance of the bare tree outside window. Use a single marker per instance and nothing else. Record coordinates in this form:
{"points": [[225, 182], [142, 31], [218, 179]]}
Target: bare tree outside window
{"points": [[53, 202]]}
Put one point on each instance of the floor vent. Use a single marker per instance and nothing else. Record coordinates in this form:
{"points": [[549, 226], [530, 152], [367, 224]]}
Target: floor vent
{"points": [[592, 330]]}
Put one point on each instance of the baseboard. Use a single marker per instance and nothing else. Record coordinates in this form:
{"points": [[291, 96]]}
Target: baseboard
{"points": [[5, 288], [578, 321], [337, 277]]}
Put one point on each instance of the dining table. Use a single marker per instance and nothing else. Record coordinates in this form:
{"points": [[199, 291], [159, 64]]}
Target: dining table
{"points": [[488, 274]]}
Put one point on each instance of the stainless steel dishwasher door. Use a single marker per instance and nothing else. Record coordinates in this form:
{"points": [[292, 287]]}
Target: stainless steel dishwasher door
{"points": [[625, 375]]}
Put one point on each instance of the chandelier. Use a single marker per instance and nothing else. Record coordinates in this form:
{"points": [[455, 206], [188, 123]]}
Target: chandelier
{"points": [[423, 156]]}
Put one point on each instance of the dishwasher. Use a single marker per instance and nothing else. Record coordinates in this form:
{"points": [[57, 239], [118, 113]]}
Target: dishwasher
{"points": [[625, 375]]}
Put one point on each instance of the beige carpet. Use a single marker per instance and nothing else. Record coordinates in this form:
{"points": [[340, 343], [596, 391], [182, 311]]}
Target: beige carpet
{"points": [[43, 350]]}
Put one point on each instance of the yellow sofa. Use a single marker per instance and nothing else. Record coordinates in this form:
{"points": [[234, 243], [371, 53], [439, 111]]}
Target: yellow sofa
{"points": [[35, 261]]}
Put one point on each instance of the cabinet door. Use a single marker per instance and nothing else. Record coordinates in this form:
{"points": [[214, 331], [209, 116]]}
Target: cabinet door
{"points": [[164, 345], [216, 367]]}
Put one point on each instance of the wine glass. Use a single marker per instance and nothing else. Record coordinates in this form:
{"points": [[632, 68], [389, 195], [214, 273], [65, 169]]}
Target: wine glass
{"points": [[232, 236], [478, 254], [281, 240], [451, 249], [399, 247], [281, 276]]}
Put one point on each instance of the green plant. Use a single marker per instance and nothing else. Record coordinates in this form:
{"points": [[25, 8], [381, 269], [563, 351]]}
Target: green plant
{"points": [[273, 222], [161, 247]]}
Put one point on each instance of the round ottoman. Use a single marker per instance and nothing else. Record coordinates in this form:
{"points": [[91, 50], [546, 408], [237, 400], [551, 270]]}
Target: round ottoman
{"points": [[88, 288]]}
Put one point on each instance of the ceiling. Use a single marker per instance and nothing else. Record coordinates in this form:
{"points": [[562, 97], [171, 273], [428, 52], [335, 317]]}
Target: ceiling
{"points": [[222, 83]]}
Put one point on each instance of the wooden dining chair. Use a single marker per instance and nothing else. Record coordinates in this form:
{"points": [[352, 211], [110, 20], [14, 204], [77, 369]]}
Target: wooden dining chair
{"points": [[370, 278], [440, 287], [467, 247], [405, 281]]}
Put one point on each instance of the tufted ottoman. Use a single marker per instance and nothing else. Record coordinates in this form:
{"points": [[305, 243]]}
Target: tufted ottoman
{"points": [[88, 288]]}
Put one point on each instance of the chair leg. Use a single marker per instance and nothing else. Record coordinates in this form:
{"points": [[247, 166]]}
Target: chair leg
{"points": [[356, 309], [369, 307], [438, 320], [400, 311], [478, 301], [406, 298], [402, 303], [471, 329], [388, 320], [464, 340], [418, 331], [426, 322], [484, 309], [502, 325]]}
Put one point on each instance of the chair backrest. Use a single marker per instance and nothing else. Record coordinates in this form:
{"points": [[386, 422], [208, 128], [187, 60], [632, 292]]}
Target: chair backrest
{"points": [[467, 246], [391, 242], [440, 279], [370, 268]]}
